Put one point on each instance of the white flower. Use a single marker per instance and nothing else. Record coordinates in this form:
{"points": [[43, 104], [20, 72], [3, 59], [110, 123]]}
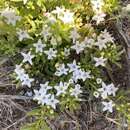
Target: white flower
{"points": [[29, 94], [103, 39], [46, 32], [104, 90], [100, 61], [19, 69], [66, 51], [96, 94], [37, 96], [27, 57], [61, 88], [74, 35], [45, 99], [106, 36], [97, 5], [52, 102], [73, 66], [79, 74], [45, 87], [67, 17], [10, 15], [27, 81], [59, 11], [99, 17], [107, 90], [25, 1], [22, 34], [51, 53], [99, 80], [85, 75], [61, 70], [39, 46], [112, 89], [108, 106], [89, 42], [42, 97], [50, 17], [101, 43], [20, 73], [76, 91], [21, 76], [78, 47]]}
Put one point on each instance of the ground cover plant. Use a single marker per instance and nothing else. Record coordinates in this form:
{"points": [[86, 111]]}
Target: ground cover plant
{"points": [[63, 53]]}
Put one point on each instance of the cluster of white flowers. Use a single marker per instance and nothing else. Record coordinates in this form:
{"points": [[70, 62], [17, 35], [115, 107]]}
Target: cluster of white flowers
{"points": [[22, 76], [45, 98], [98, 10], [65, 16], [75, 70], [105, 91], [104, 38]]}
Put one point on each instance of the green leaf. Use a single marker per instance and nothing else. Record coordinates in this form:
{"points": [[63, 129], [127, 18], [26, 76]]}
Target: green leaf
{"points": [[35, 112]]}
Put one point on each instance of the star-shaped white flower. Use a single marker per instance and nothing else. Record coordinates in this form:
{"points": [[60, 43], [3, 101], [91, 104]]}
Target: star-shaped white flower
{"points": [[74, 35], [89, 42], [80, 74], [59, 11], [27, 57], [22, 34], [101, 43], [108, 106], [52, 102], [20, 73], [78, 47], [76, 91], [85, 75], [37, 96], [27, 81], [100, 61], [103, 39], [19, 69], [104, 90], [73, 66], [106, 36], [39, 46], [61, 88], [99, 17], [67, 17], [46, 32], [61, 70], [42, 97], [21, 76], [10, 15], [45, 87], [97, 5], [112, 89], [51, 53]]}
